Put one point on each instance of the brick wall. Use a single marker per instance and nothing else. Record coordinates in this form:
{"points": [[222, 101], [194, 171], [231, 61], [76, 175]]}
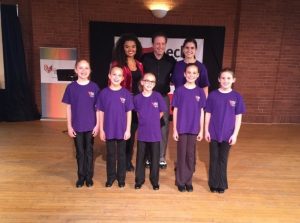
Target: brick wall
{"points": [[261, 41], [267, 62]]}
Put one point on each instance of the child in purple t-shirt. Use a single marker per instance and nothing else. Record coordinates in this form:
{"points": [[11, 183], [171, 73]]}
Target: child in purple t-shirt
{"points": [[223, 119], [83, 120], [188, 116], [149, 106], [115, 105]]}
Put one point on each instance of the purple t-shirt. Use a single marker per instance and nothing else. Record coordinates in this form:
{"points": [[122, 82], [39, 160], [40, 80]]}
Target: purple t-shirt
{"points": [[115, 105], [189, 103], [223, 108], [178, 78], [148, 109], [82, 99]]}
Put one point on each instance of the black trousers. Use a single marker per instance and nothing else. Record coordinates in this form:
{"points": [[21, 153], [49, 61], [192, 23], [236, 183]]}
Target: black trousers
{"points": [[84, 142], [154, 150], [130, 141], [115, 160], [218, 159], [186, 161]]}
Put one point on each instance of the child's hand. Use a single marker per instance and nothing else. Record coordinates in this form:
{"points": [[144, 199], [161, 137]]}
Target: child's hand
{"points": [[207, 136], [102, 136], [200, 136], [126, 135], [175, 135], [71, 132], [95, 131], [232, 140]]}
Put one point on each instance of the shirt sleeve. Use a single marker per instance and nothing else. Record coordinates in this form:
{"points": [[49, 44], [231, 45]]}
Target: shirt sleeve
{"points": [[203, 80], [162, 103], [240, 108], [129, 101], [174, 75], [99, 103], [66, 97], [175, 98], [208, 107], [97, 93], [135, 103], [203, 99]]}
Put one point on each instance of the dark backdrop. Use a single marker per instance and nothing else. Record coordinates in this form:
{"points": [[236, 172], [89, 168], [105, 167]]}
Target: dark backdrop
{"points": [[102, 41], [17, 100]]}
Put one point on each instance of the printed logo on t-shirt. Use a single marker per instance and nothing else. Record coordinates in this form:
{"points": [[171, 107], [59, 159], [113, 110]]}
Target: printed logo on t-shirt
{"points": [[155, 104], [232, 103], [91, 94], [197, 98], [122, 100]]}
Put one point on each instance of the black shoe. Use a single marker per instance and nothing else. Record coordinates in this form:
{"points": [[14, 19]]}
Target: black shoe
{"points": [[89, 183], [155, 187], [137, 186], [130, 167], [109, 183], [147, 164], [213, 190], [189, 188], [220, 190], [79, 183], [181, 188], [163, 165], [121, 184]]}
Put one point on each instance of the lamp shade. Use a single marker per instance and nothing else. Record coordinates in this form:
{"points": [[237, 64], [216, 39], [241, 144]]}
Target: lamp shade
{"points": [[159, 13]]}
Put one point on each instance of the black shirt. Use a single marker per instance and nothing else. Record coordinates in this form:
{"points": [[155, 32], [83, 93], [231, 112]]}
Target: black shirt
{"points": [[162, 69], [136, 77]]}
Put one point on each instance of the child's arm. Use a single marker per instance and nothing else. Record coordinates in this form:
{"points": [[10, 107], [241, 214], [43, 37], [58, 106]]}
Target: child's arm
{"points": [[200, 135], [175, 133], [96, 128], [207, 120], [127, 131], [238, 122], [71, 131], [101, 128], [205, 89]]}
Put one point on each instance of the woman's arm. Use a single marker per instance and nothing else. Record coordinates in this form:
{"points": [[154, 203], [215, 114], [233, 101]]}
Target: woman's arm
{"points": [[205, 89]]}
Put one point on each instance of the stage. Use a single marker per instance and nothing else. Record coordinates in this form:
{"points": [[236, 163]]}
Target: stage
{"points": [[38, 174]]}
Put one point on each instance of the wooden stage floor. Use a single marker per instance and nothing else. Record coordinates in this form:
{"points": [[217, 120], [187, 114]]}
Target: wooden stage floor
{"points": [[38, 172]]}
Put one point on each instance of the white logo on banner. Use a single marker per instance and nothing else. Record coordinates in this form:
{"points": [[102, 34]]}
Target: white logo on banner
{"points": [[49, 67]]}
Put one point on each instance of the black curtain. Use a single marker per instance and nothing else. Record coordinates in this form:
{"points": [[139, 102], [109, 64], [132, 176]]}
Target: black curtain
{"points": [[102, 41], [17, 101]]}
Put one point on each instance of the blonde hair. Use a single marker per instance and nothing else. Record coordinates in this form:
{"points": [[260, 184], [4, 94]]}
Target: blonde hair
{"points": [[115, 66], [149, 74], [82, 60], [146, 74]]}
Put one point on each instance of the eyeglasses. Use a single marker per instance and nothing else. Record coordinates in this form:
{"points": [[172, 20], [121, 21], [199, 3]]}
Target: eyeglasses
{"points": [[149, 82]]}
